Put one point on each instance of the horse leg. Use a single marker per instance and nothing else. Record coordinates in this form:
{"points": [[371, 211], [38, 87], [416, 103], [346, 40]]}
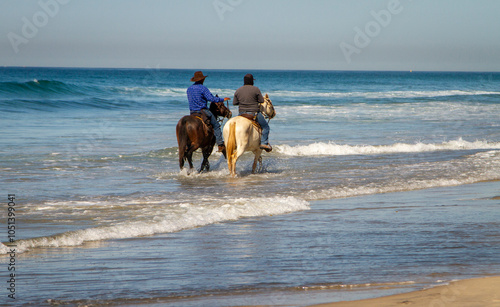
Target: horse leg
{"points": [[189, 157], [256, 159], [231, 163], [183, 141], [181, 158], [231, 148], [182, 148], [205, 164], [240, 150], [232, 166]]}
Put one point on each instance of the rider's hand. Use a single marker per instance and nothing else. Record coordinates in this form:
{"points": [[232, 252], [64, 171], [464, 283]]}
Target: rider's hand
{"points": [[227, 98]]}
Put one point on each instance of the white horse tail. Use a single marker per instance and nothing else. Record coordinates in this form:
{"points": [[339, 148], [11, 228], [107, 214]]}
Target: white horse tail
{"points": [[231, 149]]}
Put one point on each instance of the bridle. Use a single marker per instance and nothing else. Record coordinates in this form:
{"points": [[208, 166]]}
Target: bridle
{"points": [[222, 116], [267, 116]]}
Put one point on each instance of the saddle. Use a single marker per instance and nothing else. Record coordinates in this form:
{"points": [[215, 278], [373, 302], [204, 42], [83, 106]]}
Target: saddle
{"points": [[253, 119], [206, 122]]}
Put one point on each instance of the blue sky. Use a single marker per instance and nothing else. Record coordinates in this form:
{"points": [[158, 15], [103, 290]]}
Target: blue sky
{"points": [[451, 35]]}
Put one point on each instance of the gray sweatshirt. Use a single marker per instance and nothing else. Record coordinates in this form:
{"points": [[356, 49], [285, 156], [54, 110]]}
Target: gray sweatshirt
{"points": [[248, 98]]}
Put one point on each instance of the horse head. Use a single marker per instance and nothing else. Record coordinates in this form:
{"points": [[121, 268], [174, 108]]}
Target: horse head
{"points": [[219, 109], [267, 107]]}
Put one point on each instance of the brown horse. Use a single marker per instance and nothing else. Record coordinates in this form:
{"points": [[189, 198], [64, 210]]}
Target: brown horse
{"points": [[193, 133]]}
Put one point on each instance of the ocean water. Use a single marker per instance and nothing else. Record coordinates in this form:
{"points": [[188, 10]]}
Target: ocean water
{"points": [[378, 181]]}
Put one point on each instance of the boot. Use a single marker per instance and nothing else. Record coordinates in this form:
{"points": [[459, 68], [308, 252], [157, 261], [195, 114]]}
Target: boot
{"points": [[266, 147], [222, 148]]}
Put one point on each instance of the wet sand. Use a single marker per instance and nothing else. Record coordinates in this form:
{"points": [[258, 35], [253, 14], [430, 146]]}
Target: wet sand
{"points": [[484, 292]]}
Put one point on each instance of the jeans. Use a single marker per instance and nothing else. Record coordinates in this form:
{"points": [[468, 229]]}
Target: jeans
{"points": [[265, 128], [213, 120]]}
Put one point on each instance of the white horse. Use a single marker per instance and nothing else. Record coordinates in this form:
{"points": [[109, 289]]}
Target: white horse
{"points": [[242, 134]]}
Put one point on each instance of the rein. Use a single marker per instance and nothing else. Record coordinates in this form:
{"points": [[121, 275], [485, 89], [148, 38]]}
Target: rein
{"points": [[221, 116], [267, 116]]}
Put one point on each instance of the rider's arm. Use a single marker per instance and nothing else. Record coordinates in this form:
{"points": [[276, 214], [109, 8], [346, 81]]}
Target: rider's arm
{"points": [[208, 96], [260, 98]]}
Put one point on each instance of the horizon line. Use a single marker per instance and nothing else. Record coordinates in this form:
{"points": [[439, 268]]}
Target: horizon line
{"points": [[254, 69]]}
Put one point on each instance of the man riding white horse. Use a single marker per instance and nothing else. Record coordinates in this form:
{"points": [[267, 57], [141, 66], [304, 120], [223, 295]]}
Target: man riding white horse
{"points": [[249, 98]]}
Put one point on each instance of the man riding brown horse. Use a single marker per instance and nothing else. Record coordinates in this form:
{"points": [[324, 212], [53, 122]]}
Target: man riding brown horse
{"points": [[201, 129], [198, 96]]}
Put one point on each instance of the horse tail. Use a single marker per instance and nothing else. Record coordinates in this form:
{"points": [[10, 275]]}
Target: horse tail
{"points": [[182, 141], [231, 148]]}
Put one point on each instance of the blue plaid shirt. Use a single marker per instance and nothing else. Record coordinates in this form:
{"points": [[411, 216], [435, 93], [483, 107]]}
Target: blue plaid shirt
{"points": [[198, 96]]}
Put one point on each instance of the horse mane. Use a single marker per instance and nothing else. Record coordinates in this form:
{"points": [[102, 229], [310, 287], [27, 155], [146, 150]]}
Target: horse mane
{"points": [[215, 109], [269, 103]]}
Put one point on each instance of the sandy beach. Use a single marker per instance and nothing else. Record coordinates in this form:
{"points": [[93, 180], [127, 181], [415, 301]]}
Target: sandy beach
{"points": [[481, 292]]}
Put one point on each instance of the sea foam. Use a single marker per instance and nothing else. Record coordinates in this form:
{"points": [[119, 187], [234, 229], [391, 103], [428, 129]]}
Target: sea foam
{"points": [[332, 149], [486, 166], [381, 94], [175, 218]]}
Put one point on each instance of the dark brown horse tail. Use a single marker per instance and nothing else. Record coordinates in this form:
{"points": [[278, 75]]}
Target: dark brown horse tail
{"points": [[182, 141], [231, 146]]}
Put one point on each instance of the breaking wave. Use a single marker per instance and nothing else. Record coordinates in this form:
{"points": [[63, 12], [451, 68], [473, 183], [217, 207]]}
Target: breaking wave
{"points": [[387, 94], [172, 219], [332, 149]]}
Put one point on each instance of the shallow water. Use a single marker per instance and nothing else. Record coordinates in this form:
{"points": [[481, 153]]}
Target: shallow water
{"points": [[380, 178], [340, 249]]}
